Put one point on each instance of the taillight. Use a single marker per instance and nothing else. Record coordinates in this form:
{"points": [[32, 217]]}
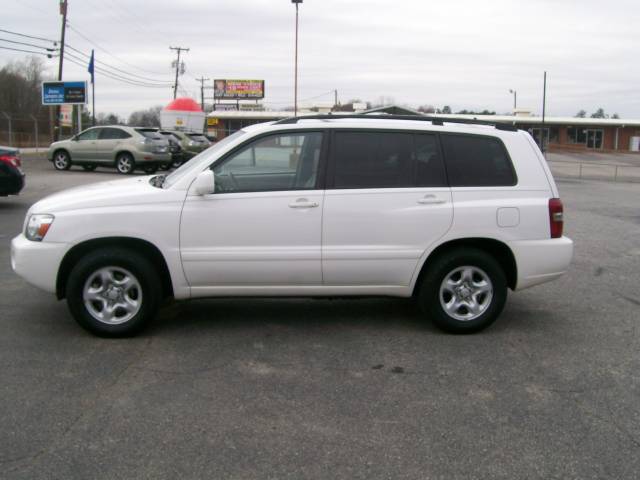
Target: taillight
{"points": [[10, 160], [556, 217]]}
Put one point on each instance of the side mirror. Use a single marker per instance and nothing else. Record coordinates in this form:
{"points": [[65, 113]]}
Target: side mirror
{"points": [[204, 184]]}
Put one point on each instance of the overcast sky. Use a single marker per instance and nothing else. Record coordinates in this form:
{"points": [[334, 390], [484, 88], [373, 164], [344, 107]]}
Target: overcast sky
{"points": [[462, 53]]}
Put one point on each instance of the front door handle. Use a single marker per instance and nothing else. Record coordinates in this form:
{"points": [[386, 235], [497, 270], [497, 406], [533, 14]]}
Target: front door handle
{"points": [[431, 200], [303, 203]]}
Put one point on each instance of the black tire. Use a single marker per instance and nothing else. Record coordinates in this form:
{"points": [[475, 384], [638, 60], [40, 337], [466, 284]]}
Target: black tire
{"points": [[476, 270], [146, 293], [89, 168], [125, 163], [150, 169], [61, 160]]}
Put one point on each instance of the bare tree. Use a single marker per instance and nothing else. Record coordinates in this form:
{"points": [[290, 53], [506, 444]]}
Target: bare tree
{"points": [[20, 86], [146, 118]]}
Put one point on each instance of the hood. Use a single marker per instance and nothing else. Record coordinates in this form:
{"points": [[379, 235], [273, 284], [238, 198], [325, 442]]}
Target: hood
{"points": [[112, 193]]}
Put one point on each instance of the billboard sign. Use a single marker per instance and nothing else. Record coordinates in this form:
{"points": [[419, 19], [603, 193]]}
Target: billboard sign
{"points": [[238, 89], [61, 93], [224, 107]]}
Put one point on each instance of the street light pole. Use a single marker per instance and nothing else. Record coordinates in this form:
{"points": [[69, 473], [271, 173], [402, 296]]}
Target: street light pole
{"points": [[515, 99], [295, 88]]}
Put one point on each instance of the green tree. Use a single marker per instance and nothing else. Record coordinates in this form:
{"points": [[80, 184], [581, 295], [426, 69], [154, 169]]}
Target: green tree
{"points": [[599, 114], [446, 109], [581, 114]]}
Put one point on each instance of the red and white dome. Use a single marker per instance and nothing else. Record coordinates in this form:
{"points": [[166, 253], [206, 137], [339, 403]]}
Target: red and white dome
{"points": [[184, 104], [183, 114]]}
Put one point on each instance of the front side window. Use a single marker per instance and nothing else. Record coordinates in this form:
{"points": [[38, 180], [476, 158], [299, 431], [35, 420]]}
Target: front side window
{"points": [[89, 134], [287, 161], [477, 161]]}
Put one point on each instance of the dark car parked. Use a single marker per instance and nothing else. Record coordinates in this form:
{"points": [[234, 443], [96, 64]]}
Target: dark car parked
{"points": [[11, 174], [177, 154]]}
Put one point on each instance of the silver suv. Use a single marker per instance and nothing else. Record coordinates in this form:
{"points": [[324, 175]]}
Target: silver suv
{"points": [[125, 148]]}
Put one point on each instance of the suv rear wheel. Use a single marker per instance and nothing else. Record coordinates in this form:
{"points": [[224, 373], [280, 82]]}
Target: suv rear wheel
{"points": [[113, 292], [125, 163], [463, 291]]}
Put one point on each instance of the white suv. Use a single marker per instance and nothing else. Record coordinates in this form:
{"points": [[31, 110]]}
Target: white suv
{"points": [[452, 214]]}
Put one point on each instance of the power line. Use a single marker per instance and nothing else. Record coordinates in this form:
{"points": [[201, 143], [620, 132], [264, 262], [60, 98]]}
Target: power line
{"points": [[29, 36], [29, 51], [115, 75], [28, 44], [108, 75], [167, 82], [99, 47]]}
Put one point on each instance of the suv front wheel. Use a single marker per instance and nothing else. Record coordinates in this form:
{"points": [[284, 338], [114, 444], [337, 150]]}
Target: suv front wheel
{"points": [[113, 292], [463, 291], [61, 160]]}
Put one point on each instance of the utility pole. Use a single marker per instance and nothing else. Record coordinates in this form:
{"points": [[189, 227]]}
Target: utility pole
{"points": [[175, 86], [295, 88], [63, 12], [335, 99], [544, 110], [202, 80]]}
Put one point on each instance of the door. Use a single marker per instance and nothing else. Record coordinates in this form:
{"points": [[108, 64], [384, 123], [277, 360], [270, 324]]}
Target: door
{"points": [[594, 138], [83, 148], [387, 201], [107, 143], [261, 227]]}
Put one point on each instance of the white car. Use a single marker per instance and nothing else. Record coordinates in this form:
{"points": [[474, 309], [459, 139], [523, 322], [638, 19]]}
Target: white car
{"points": [[452, 214]]}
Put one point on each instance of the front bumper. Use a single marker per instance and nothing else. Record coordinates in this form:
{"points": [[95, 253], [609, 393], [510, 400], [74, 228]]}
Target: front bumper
{"points": [[37, 262], [540, 261]]}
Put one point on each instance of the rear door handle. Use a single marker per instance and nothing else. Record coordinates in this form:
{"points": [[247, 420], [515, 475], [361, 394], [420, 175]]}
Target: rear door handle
{"points": [[431, 200], [303, 203]]}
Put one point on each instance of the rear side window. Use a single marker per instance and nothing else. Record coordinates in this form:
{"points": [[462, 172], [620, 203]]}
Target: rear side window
{"points": [[113, 134], [475, 161], [387, 160], [373, 160], [152, 134]]}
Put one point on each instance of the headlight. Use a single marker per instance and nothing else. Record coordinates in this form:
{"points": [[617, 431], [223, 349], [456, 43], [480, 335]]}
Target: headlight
{"points": [[38, 226], [192, 143]]}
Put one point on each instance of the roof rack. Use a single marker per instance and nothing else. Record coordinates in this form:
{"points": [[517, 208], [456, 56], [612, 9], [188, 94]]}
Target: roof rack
{"points": [[422, 118]]}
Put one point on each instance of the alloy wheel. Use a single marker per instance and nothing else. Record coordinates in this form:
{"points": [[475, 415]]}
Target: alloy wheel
{"points": [[112, 295], [466, 293]]}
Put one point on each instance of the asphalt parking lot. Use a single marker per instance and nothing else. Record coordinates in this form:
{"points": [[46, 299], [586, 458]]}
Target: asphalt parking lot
{"points": [[248, 389]]}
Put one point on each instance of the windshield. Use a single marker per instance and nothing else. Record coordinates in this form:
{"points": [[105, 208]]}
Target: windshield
{"points": [[200, 161]]}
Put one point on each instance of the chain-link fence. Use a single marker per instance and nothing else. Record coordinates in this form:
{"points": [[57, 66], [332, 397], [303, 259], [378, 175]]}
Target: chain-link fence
{"points": [[26, 131]]}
